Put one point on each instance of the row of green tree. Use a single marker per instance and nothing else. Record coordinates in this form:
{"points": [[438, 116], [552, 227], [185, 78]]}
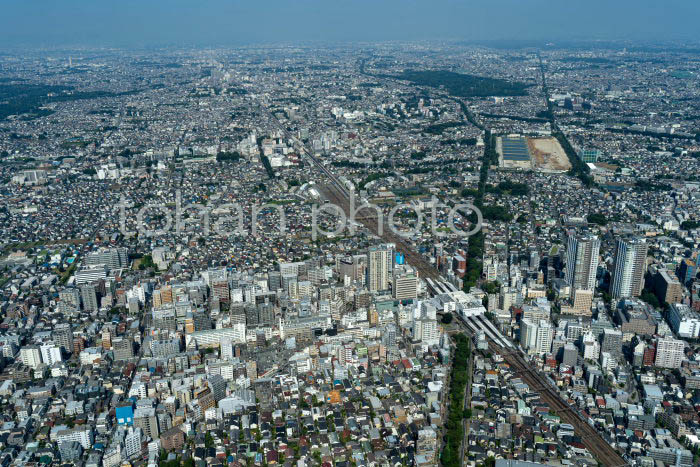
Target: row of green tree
{"points": [[268, 167], [475, 249], [646, 185], [579, 169], [456, 413]]}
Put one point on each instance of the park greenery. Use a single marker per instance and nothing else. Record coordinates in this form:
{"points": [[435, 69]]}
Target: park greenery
{"points": [[509, 188], [23, 98], [224, 156], [649, 297], [496, 213], [597, 218], [463, 85]]}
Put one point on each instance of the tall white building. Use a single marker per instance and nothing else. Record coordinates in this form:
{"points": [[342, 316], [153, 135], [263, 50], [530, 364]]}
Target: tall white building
{"points": [[227, 349], [211, 338], [669, 353], [528, 334], [536, 336], [378, 271], [590, 347], [30, 356], [629, 268], [425, 326], [132, 441], [291, 268], [582, 261], [543, 342], [426, 330]]}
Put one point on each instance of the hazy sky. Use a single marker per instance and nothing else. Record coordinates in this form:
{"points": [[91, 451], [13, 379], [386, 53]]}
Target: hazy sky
{"points": [[230, 22]]}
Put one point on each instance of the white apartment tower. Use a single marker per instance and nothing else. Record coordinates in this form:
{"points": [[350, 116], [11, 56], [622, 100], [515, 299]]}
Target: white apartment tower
{"points": [[378, 271], [629, 268], [669, 353], [582, 261]]}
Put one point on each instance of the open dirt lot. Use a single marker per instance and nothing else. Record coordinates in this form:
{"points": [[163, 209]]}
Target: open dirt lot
{"points": [[547, 154]]}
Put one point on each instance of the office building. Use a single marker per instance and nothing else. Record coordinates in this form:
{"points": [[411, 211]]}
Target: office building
{"points": [[69, 300], [132, 441], [217, 385], [173, 439], [405, 283], [90, 274], [540, 310], [649, 355], [220, 290], [227, 349], [50, 354], [80, 434], [569, 355], [145, 418], [212, 338], [635, 318], [590, 347], [671, 456], [70, 451], [687, 270], [112, 258], [580, 304]]}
